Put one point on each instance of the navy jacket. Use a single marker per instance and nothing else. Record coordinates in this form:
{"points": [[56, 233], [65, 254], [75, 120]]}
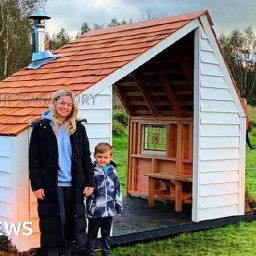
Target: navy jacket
{"points": [[107, 198]]}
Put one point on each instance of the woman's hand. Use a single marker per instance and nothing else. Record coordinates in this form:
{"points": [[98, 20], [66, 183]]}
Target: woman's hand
{"points": [[39, 193], [88, 191]]}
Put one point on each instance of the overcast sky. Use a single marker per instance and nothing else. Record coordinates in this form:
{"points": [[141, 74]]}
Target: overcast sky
{"points": [[227, 15]]}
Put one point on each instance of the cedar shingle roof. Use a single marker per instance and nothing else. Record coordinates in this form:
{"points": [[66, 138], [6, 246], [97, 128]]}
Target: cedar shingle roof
{"points": [[84, 62]]}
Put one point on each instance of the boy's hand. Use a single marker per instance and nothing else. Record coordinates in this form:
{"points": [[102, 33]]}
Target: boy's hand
{"points": [[88, 191]]}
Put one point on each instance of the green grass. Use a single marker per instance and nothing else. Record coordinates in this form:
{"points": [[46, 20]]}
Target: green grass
{"points": [[120, 158], [233, 240], [250, 177], [251, 159]]}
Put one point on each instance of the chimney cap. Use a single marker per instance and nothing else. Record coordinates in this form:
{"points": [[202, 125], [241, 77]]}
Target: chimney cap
{"points": [[39, 16]]}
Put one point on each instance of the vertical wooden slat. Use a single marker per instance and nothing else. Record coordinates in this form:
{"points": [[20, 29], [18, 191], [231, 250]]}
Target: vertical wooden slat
{"points": [[190, 142], [133, 138], [128, 176], [168, 141], [179, 151], [133, 182], [139, 138]]}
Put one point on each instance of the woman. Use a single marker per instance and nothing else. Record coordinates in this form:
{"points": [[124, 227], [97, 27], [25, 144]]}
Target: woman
{"points": [[61, 174]]}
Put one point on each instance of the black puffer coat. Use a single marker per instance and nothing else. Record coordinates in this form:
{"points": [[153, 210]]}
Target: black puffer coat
{"points": [[43, 170]]}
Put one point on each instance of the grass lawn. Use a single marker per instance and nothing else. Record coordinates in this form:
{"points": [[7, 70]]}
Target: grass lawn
{"points": [[232, 240], [120, 158]]}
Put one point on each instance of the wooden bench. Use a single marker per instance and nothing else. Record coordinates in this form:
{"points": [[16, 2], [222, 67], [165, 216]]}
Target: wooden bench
{"points": [[169, 180]]}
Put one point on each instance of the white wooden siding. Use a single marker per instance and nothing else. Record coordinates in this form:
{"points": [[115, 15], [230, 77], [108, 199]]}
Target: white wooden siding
{"points": [[219, 118], [6, 195], [210, 69], [218, 189], [219, 201], [212, 81], [220, 130], [219, 167], [218, 177], [216, 212], [214, 166], [8, 202], [215, 93], [217, 105], [14, 185], [219, 154], [219, 142], [99, 116], [6, 164], [208, 56], [7, 180]]}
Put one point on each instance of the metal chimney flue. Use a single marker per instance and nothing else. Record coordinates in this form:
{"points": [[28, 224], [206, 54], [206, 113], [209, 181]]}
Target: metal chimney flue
{"points": [[40, 39], [40, 42]]}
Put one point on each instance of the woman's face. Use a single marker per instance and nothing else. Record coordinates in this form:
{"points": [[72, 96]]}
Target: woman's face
{"points": [[64, 106]]}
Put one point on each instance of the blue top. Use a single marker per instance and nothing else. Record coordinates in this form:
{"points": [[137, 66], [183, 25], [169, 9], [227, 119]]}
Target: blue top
{"points": [[64, 154], [106, 168]]}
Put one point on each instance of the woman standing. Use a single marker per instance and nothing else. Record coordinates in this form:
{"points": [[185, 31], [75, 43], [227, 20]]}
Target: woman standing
{"points": [[61, 174]]}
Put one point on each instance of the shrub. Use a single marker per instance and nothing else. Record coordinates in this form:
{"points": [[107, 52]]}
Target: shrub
{"points": [[118, 129], [6, 246], [251, 101], [120, 122], [120, 116]]}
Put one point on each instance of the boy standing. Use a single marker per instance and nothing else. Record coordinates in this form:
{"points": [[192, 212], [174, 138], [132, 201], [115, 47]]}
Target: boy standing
{"points": [[106, 200]]}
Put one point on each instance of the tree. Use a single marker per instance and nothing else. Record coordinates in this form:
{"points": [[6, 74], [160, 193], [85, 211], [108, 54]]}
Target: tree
{"points": [[84, 28], [239, 52], [114, 22], [151, 14], [59, 39], [15, 34], [97, 26]]}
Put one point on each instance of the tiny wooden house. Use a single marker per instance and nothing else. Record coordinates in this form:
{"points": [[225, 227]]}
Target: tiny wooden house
{"points": [[186, 121]]}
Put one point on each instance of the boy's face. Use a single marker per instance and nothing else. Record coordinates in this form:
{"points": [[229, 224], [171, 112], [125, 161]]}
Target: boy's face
{"points": [[103, 159]]}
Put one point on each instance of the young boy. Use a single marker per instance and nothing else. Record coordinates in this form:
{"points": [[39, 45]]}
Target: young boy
{"points": [[106, 200]]}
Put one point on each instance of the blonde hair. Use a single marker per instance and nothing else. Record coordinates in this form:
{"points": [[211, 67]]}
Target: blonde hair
{"points": [[70, 122], [103, 147]]}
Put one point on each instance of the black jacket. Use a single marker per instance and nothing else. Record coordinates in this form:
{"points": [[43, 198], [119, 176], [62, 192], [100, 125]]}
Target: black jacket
{"points": [[43, 170]]}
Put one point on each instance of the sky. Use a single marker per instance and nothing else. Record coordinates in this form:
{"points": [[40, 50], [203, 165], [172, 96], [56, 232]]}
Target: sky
{"points": [[227, 15]]}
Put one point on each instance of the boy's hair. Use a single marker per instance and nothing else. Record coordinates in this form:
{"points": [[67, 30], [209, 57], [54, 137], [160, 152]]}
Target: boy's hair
{"points": [[103, 147]]}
